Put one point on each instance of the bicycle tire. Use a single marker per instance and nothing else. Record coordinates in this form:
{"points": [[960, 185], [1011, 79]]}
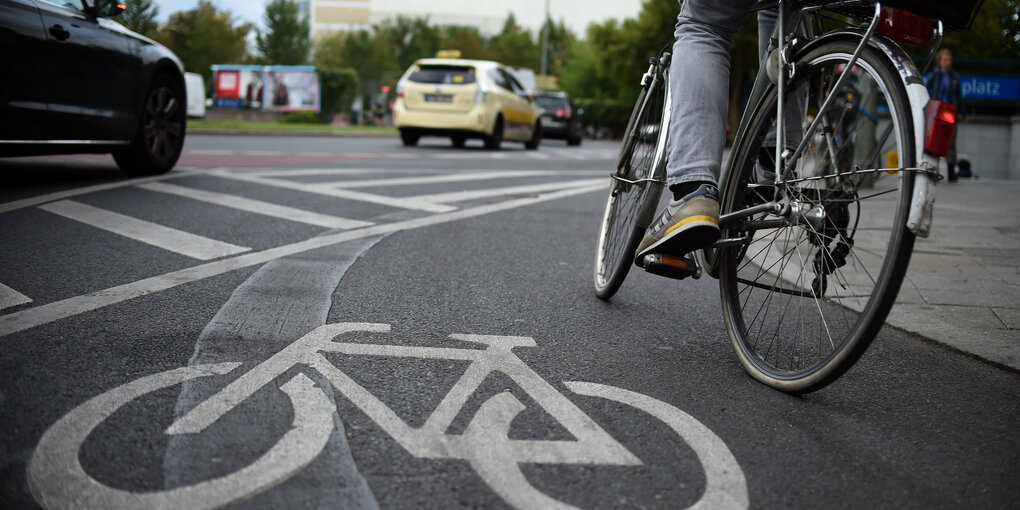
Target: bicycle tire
{"points": [[852, 306], [629, 207]]}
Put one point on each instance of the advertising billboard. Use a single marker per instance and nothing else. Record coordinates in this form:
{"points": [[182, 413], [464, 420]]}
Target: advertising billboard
{"points": [[267, 88]]}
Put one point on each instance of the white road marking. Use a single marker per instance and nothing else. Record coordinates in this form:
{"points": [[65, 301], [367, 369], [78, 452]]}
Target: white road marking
{"points": [[170, 239], [10, 297], [435, 179], [309, 172], [58, 480], [725, 484], [50, 312], [538, 155], [396, 202], [460, 196], [256, 206], [60, 195]]}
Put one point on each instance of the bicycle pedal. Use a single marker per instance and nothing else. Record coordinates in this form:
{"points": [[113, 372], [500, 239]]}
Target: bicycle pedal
{"points": [[672, 267]]}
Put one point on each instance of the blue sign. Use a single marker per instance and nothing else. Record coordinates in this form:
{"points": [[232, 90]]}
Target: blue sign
{"points": [[990, 87]]}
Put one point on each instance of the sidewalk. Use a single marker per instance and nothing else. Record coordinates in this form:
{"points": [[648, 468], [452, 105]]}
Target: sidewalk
{"points": [[963, 285]]}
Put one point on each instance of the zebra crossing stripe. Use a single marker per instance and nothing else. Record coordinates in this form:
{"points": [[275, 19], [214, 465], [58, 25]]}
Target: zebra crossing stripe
{"points": [[256, 206], [10, 297], [177, 241]]}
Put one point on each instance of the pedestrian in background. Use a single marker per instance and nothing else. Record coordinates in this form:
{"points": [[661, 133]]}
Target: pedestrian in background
{"points": [[944, 85]]}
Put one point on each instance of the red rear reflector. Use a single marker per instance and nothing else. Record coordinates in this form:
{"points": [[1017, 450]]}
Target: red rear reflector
{"points": [[903, 26], [940, 122], [563, 113]]}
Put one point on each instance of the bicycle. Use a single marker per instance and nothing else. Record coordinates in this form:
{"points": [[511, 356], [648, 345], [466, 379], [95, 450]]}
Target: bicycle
{"points": [[810, 261], [58, 480]]}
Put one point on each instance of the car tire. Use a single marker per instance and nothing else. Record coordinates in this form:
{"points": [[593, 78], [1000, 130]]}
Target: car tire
{"points": [[409, 138], [536, 138], [161, 128], [458, 141], [494, 140]]}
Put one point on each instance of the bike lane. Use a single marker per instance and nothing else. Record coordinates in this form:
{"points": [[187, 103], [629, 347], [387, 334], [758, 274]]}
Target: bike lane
{"points": [[882, 434]]}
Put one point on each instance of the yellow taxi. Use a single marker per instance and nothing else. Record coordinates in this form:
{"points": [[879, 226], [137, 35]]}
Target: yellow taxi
{"points": [[461, 99]]}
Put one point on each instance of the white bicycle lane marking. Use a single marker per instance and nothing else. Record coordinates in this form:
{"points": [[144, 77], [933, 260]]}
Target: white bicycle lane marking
{"points": [[51, 312], [58, 480]]}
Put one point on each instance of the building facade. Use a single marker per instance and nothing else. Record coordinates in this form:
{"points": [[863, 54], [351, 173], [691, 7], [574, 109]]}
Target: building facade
{"points": [[487, 15]]}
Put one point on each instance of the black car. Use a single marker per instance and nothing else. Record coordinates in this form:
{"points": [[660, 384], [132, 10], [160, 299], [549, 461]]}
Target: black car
{"points": [[75, 81], [560, 118]]}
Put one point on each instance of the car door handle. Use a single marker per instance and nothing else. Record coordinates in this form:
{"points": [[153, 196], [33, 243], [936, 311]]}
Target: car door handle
{"points": [[59, 32]]}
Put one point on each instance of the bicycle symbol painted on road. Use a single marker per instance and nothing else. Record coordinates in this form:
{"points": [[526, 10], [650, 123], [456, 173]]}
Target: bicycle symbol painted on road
{"points": [[58, 480]]}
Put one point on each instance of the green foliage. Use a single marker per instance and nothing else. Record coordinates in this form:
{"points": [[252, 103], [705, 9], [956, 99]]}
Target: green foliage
{"points": [[302, 117], [609, 118], [514, 46], [338, 87], [467, 39], [994, 34], [560, 46], [205, 36], [140, 16], [286, 40]]}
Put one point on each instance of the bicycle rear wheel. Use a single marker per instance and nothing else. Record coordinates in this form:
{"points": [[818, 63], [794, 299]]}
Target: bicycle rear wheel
{"points": [[632, 200], [808, 289]]}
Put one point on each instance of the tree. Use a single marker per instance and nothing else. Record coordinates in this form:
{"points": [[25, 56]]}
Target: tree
{"points": [[205, 36], [140, 16], [409, 38], [466, 39], [286, 40], [560, 46], [994, 34], [514, 46]]}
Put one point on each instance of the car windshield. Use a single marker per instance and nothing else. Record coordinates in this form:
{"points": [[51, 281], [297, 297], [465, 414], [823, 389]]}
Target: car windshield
{"points": [[449, 75], [551, 103]]}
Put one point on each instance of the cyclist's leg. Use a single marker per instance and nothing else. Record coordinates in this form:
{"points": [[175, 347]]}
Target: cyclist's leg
{"points": [[699, 78]]}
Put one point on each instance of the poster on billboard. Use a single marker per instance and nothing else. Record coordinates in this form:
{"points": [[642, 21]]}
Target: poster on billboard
{"points": [[267, 88], [290, 89]]}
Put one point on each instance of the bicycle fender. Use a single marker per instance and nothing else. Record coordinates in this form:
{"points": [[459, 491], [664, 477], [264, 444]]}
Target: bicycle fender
{"points": [[922, 202]]}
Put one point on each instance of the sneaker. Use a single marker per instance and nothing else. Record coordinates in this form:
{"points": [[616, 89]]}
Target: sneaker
{"points": [[688, 224]]}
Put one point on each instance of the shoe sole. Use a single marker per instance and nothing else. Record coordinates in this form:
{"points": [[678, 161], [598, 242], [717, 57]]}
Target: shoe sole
{"points": [[692, 236]]}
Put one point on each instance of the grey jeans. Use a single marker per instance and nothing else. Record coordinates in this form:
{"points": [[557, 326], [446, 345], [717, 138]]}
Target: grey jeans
{"points": [[699, 78]]}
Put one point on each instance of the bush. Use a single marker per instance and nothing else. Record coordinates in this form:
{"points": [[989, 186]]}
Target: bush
{"points": [[605, 119], [303, 117], [338, 88]]}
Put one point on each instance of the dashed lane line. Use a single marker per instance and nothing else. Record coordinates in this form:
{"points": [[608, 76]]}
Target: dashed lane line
{"points": [[51, 312], [170, 239], [256, 206]]}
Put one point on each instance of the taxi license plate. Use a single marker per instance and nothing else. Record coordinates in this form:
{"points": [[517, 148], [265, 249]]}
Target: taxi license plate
{"points": [[438, 98]]}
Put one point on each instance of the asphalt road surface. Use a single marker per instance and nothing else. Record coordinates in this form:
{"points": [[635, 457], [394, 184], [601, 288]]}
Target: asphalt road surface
{"points": [[348, 323]]}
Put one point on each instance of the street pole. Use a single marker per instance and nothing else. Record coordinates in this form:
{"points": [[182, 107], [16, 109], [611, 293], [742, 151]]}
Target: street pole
{"points": [[545, 40]]}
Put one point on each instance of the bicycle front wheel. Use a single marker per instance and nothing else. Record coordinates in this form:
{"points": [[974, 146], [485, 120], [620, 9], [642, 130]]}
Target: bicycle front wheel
{"points": [[808, 288], [633, 192]]}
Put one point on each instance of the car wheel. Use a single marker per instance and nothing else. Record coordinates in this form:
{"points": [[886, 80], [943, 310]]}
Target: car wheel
{"points": [[496, 139], [536, 137], [410, 138], [458, 141], [160, 137]]}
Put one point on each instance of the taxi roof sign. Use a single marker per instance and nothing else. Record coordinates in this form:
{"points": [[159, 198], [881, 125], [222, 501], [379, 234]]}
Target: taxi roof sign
{"points": [[448, 54]]}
